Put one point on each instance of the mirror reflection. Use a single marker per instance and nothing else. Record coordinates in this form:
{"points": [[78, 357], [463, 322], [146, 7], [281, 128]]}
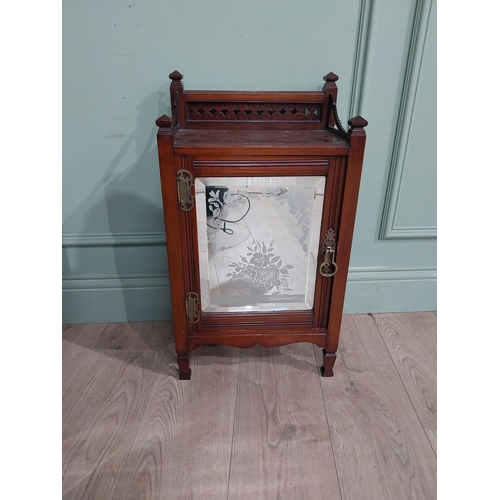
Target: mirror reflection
{"points": [[258, 240]]}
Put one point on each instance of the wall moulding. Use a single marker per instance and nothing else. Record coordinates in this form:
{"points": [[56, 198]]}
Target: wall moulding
{"points": [[111, 239], [360, 56], [388, 228], [147, 298]]}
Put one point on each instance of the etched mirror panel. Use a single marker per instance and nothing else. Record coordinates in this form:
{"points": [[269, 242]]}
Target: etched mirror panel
{"points": [[258, 240]]}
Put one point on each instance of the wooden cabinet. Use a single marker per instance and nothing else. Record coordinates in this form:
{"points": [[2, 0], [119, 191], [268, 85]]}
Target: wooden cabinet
{"points": [[259, 194]]}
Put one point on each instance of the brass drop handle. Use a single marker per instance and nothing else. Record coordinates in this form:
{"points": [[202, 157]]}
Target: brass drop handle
{"points": [[328, 263], [328, 267]]}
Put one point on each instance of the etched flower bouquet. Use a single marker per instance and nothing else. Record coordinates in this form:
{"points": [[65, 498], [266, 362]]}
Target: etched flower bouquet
{"points": [[262, 271]]}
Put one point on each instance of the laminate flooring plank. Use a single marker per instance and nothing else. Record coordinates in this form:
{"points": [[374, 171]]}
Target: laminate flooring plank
{"points": [[381, 450], [97, 440], [76, 344], [140, 336], [85, 334], [75, 359], [96, 377], [182, 449], [281, 443], [411, 340]]}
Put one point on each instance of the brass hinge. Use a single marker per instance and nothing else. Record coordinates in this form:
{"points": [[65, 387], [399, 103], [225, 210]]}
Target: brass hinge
{"points": [[184, 184], [328, 267], [192, 313]]}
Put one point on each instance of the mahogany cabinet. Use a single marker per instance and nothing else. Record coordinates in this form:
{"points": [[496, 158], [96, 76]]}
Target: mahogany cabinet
{"points": [[259, 195]]}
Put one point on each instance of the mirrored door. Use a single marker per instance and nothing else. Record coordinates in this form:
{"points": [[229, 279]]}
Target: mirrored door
{"points": [[258, 242]]}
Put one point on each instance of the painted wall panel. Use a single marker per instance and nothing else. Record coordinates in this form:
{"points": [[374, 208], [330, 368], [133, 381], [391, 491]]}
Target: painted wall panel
{"points": [[388, 48], [114, 261], [416, 201], [116, 59], [117, 56]]}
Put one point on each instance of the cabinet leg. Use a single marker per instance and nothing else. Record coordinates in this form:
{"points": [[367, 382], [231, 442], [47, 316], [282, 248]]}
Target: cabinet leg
{"points": [[184, 370], [328, 362]]}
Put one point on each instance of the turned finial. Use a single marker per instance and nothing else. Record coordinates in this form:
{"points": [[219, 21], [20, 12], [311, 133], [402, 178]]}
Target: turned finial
{"points": [[330, 87], [177, 98], [357, 122], [357, 126], [175, 75], [164, 121], [331, 77]]}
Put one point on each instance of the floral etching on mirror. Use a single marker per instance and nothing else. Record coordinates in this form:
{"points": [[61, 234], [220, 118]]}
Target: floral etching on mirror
{"points": [[261, 271], [258, 242], [219, 199]]}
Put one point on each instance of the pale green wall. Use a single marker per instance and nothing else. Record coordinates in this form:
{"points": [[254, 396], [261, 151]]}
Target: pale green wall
{"points": [[116, 59]]}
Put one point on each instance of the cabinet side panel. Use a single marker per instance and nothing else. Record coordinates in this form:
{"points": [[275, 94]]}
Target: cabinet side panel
{"points": [[172, 230], [331, 219], [344, 242]]}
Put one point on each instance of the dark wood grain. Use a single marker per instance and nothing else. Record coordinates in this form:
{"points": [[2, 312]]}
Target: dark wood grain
{"points": [[331, 216], [258, 112], [266, 338], [313, 142], [346, 229], [255, 96], [168, 168], [243, 134], [242, 321], [205, 166]]}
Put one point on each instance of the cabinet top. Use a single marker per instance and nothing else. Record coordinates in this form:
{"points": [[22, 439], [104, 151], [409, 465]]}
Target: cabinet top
{"points": [[259, 141], [300, 121]]}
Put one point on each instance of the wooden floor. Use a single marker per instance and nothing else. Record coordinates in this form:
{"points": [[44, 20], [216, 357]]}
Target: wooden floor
{"points": [[251, 423]]}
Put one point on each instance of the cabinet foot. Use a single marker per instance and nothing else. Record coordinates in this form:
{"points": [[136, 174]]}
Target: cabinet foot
{"points": [[328, 362], [184, 370]]}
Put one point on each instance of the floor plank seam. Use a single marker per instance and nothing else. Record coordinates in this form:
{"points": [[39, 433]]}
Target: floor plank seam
{"points": [[152, 381], [106, 326], [234, 424], [404, 385], [329, 430], [98, 335]]}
